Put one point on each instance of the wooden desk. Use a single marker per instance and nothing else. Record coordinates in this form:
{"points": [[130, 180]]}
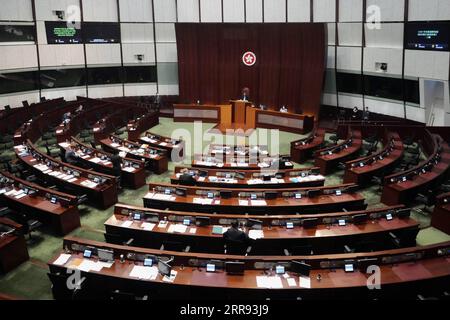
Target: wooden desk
{"points": [[196, 200], [422, 176], [133, 171], [62, 216], [115, 120], [79, 120], [102, 195], [440, 219], [302, 150], [263, 163], [217, 178], [202, 112], [139, 125], [155, 158], [166, 143], [321, 239], [339, 153], [284, 121], [13, 247], [361, 171], [400, 274]]}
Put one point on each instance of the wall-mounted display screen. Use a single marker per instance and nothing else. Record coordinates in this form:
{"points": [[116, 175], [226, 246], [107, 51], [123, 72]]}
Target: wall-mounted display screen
{"points": [[427, 36], [101, 32], [17, 33], [61, 32]]}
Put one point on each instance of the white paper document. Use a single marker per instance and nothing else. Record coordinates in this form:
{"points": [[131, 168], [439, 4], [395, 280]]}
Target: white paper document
{"points": [[269, 282], [148, 226], [305, 282], [255, 234], [62, 259], [127, 223], [146, 273]]}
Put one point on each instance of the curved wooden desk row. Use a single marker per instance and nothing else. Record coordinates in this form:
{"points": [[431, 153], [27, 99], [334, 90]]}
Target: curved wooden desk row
{"points": [[115, 120], [404, 186], [254, 201], [81, 120], [216, 178], [327, 159], [136, 127], [34, 128], [56, 209], [133, 171], [303, 149], [361, 171], [11, 120], [266, 163], [101, 189], [440, 219], [13, 247], [408, 269], [203, 233], [155, 158], [238, 151], [166, 143]]}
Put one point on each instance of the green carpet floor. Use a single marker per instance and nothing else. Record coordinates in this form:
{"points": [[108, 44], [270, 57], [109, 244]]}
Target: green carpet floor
{"points": [[30, 280]]}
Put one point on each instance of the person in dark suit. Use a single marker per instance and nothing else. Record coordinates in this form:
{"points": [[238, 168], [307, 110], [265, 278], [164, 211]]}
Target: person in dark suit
{"points": [[116, 162], [70, 156], [234, 234], [187, 179]]}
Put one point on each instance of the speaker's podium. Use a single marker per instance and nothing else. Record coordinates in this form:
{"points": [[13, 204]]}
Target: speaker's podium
{"points": [[239, 121], [238, 109]]}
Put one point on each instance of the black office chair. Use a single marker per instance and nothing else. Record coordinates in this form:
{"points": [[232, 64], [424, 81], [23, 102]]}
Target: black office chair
{"points": [[118, 295], [117, 239], [59, 286], [428, 200], [175, 246], [239, 248], [305, 250], [93, 145], [7, 107], [81, 199], [5, 211], [334, 138], [54, 153]]}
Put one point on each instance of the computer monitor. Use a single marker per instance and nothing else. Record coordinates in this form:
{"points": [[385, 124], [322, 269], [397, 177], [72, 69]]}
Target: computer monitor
{"points": [[137, 216], [235, 267], [164, 268], [338, 192], [53, 200], [349, 267], [151, 217], [359, 218], [239, 175], [297, 195], [289, 225], [225, 194], [300, 268], [202, 221], [404, 213], [87, 253], [389, 216], [148, 262], [254, 223], [210, 267], [105, 255], [270, 195], [181, 192], [341, 222], [310, 222], [279, 269], [253, 196], [186, 221], [210, 195], [167, 191], [313, 193]]}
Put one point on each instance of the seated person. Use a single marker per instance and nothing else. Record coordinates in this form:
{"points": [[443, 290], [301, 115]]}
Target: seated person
{"points": [[234, 234], [186, 179], [70, 156], [66, 117]]}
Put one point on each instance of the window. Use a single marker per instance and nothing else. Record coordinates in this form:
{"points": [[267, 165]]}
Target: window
{"points": [[383, 87], [107, 75], [17, 33], [61, 78], [412, 91], [140, 74], [18, 81], [349, 83]]}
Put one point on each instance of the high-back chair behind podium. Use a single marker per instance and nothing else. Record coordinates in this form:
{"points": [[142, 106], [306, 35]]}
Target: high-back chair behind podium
{"points": [[238, 109]]}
